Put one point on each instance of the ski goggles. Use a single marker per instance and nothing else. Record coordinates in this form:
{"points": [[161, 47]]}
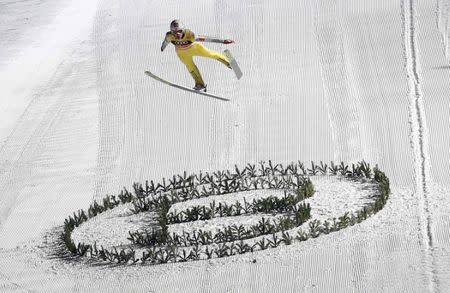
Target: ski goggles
{"points": [[177, 32]]}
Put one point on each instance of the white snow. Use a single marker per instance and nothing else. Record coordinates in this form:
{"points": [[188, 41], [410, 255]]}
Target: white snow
{"points": [[323, 80]]}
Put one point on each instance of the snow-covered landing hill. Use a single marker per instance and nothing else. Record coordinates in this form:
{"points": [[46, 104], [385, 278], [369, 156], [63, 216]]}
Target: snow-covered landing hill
{"points": [[323, 80]]}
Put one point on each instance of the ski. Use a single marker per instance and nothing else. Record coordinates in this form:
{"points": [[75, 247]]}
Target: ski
{"points": [[183, 87], [233, 64]]}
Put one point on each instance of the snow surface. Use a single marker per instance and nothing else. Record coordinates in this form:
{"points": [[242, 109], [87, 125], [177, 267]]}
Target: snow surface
{"points": [[323, 80]]}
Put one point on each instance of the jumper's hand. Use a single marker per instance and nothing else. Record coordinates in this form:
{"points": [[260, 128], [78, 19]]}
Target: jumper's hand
{"points": [[228, 41]]}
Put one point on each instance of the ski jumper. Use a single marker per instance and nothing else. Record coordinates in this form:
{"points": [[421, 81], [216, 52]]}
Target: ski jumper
{"points": [[188, 46]]}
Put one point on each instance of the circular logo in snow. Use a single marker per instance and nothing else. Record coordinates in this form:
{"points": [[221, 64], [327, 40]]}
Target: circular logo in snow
{"points": [[226, 213]]}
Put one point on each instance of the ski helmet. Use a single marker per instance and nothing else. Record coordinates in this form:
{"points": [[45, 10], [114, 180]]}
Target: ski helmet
{"points": [[175, 25]]}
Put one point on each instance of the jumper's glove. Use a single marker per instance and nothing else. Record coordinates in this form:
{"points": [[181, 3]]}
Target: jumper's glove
{"points": [[228, 41]]}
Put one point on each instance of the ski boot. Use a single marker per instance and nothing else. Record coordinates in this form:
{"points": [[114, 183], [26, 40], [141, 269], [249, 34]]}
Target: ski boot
{"points": [[200, 87]]}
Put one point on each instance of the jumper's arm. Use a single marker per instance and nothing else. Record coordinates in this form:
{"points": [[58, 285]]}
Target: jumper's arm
{"points": [[164, 44], [213, 40]]}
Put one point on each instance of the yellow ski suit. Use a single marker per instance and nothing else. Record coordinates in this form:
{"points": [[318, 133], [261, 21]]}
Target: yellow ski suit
{"points": [[187, 47]]}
